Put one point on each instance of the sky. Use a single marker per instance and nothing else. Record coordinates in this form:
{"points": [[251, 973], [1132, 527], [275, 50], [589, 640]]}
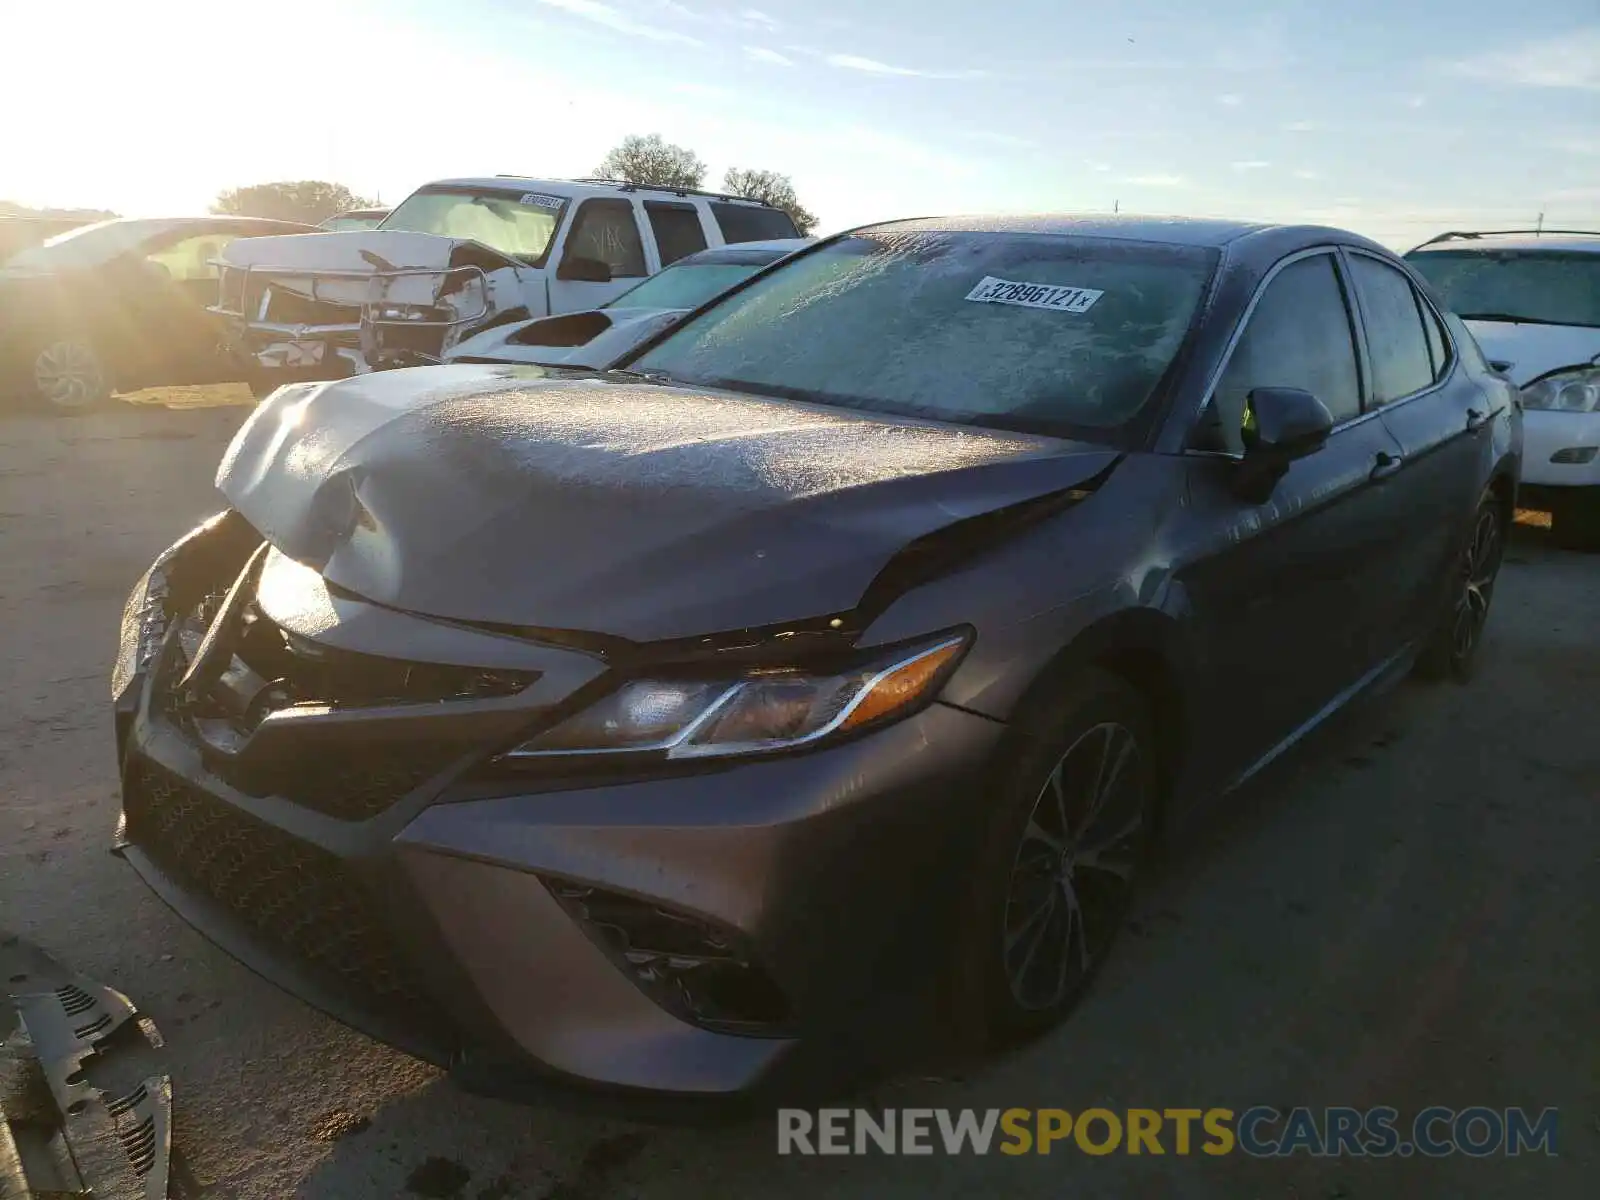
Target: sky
{"points": [[1397, 120]]}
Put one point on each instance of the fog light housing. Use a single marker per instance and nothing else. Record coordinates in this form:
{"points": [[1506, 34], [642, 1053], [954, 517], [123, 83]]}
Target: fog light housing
{"points": [[698, 972], [1575, 456]]}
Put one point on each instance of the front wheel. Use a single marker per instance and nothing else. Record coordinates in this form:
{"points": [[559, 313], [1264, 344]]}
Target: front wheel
{"points": [[69, 374], [1575, 523], [1452, 652], [1066, 839]]}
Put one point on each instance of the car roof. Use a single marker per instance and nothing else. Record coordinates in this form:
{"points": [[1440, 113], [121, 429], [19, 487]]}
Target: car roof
{"points": [[583, 188], [1177, 231], [746, 252], [159, 224], [1560, 241]]}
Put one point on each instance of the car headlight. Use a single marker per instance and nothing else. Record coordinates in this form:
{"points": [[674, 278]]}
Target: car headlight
{"points": [[1575, 391], [756, 713]]}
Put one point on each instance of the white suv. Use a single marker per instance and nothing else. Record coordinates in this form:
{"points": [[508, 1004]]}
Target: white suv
{"points": [[1532, 301], [459, 256]]}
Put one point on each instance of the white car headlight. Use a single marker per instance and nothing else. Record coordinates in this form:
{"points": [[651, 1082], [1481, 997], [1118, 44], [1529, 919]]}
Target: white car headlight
{"points": [[1575, 391], [755, 713]]}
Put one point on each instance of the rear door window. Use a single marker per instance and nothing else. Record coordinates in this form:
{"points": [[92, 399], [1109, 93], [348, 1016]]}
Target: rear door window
{"points": [[1299, 336], [606, 230], [677, 229], [752, 223], [1402, 362]]}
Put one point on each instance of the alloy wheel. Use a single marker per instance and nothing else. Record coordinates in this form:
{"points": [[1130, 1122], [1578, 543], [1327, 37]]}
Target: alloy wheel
{"points": [[68, 374], [1480, 565], [1074, 868]]}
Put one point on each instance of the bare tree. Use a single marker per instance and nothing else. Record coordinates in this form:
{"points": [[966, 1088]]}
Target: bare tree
{"points": [[646, 159], [308, 201], [770, 188]]}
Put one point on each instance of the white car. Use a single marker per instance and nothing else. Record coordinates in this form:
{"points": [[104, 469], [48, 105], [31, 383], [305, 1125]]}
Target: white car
{"points": [[459, 256], [1532, 301], [598, 337]]}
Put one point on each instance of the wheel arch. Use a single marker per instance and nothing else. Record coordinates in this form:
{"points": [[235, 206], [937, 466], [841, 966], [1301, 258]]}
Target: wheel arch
{"points": [[1146, 649]]}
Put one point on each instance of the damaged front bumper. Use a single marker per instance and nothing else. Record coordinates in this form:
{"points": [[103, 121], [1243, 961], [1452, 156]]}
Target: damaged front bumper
{"points": [[676, 941], [85, 1108], [336, 323]]}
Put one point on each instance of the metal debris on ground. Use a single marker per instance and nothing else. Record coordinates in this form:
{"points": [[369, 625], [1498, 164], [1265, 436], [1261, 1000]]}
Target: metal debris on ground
{"points": [[84, 1109]]}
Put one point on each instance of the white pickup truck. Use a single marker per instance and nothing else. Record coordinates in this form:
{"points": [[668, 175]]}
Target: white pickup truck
{"points": [[455, 258]]}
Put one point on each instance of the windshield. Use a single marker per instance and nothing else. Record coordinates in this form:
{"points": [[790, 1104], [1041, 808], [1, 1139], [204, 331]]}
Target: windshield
{"points": [[86, 246], [340, 224], [687, 286], [1541, 286], [1023, 332], [518, 224]]}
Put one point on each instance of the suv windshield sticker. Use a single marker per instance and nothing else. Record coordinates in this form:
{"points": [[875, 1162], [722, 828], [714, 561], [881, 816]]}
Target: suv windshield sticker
{"points": [[1034, 295], [541, 200]]}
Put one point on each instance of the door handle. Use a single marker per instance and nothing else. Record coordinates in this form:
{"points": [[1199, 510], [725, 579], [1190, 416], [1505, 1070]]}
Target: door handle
{"points": [[1476, 420], [1385, 465]]}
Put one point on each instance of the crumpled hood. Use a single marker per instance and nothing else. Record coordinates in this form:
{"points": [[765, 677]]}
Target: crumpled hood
{"points": [[513, 495], [343, 251], [1534, 350]]}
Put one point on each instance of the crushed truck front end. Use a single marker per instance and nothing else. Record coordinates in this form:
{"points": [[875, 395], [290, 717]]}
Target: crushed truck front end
{"points": [[331, 305]]}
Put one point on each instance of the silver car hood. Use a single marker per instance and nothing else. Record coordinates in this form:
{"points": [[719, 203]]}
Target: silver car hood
{"points": [[526, 497], [1535, 350]]}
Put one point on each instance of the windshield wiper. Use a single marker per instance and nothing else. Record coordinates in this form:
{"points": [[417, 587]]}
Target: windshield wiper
{"points": [[1507, 318], [646, 376]]}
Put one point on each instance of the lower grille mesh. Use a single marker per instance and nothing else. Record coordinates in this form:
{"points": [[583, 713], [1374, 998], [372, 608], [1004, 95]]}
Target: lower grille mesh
{"points": [[293, 895]]}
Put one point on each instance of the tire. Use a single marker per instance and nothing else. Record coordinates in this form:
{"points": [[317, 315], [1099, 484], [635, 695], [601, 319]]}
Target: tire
{"points": [[1043, 910], [69, 375], [1452, 651], [1575, 523]]}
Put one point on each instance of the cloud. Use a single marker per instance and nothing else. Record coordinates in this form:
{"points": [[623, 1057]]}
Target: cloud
{"points": [[762, 54], [1250, 164], [1573, 144], [1231, 99], [1416, 101], [620, 22], [1157, 181], [1099, 166], [705, 91], [1009, 141], [1304, 174], [1300, 126], [756, 19], [1570, 60], [871, 66]]}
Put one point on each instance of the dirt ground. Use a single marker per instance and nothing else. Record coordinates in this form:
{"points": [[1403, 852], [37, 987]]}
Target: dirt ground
{"points": [[1402, 912]]}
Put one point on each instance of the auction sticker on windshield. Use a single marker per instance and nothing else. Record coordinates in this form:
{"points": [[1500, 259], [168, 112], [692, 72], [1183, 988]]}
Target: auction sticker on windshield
{"points": [[541, 200], [1034, 295]]}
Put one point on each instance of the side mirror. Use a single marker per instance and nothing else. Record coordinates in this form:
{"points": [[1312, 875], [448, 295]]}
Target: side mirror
{"points": [[1287, 424], [579, 269]]}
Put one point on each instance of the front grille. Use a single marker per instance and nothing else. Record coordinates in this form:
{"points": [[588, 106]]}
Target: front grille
{"points": [[296, 897], [285, 307], [354, 784]]}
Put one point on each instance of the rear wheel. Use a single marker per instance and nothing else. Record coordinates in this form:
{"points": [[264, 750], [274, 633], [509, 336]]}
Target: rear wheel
{"points": [[1452, 652], [1056, 872], [1575, 521], [69, 374]]}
